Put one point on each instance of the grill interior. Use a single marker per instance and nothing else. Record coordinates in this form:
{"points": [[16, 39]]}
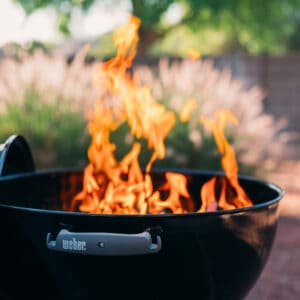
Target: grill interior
{"points": [[54, 190]]}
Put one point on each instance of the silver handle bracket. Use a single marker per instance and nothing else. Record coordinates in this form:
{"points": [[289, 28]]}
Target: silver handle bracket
{"points": [[106, 244]]}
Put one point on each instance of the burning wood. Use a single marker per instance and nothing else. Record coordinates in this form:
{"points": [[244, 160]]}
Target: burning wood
{"points": [[120, 187]]}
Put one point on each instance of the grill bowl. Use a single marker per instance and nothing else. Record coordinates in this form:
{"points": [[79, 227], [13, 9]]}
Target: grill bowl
{"points": [[212, 255]]}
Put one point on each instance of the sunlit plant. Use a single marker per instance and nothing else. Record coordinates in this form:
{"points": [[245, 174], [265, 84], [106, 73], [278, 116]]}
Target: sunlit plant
{"points": [[46, 99], [259, 139]]}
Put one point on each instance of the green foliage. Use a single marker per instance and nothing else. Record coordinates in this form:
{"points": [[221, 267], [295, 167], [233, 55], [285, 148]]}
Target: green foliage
{"points": [[63, 7], [253, 26], [64, 19], [181, 151], [103, 48], [46, 99], [56, 136], [150, 12], [259, 140], [248, 25], [207, 41]]}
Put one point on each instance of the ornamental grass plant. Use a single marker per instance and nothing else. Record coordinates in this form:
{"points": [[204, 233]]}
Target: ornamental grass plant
{"points": [[47, 100]]}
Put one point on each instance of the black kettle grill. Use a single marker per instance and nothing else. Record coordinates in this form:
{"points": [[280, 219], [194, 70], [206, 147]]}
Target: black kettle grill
{"points": [[47, 252]]}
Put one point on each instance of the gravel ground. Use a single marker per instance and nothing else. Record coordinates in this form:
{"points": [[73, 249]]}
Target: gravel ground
{"points": [[280, 277]]}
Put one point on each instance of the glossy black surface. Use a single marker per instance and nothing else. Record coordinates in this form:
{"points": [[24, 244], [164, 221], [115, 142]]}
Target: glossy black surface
{"points": [[215, 255], [15, 156]]}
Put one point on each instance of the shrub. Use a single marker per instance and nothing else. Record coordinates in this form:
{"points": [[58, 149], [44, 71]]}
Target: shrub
{"points": [[258, 140], [45, 99]]}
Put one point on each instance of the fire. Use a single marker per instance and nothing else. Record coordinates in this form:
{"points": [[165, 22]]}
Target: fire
{"points": [[186, 110], [223, 192], [111, 186], [121, 187], [193, 53]]}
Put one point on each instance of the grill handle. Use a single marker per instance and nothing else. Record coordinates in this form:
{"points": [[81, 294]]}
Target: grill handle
{"points": [[104, 243]]}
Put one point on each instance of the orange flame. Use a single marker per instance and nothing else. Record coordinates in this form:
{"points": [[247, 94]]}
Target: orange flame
{"points": [[112, 186], [193, 54], [187, 109], [121, 187], [225, 192]]}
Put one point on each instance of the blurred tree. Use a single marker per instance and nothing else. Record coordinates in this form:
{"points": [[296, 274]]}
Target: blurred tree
{"points": [[254, 26]]}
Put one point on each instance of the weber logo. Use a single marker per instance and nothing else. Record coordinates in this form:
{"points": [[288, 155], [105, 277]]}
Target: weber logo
{"points": [[74, 245]]}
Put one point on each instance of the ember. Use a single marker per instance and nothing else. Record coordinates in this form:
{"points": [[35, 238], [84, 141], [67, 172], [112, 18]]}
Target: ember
{"points": [[121, 187]]}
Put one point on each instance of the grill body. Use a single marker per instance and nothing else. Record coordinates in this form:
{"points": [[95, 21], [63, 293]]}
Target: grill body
{"points": [[213, 255]]}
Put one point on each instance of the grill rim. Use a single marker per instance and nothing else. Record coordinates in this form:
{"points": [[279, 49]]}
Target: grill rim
{"points": [[185, 171]]}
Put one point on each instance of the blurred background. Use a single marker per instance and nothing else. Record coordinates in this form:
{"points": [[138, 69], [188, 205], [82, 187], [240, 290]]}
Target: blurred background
{"points": [[249, 64]]}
